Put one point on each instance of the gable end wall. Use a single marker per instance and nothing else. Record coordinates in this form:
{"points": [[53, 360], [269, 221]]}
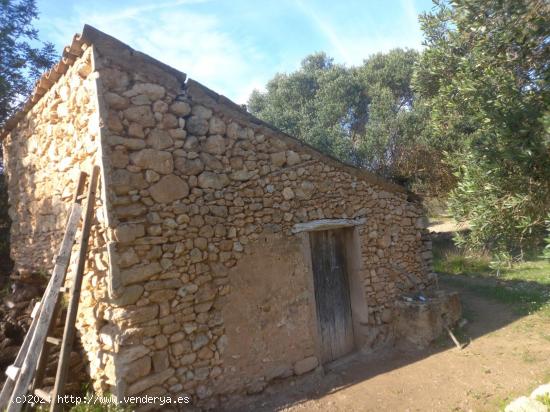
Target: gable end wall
{"points": [[44, 154], [192, 186]]}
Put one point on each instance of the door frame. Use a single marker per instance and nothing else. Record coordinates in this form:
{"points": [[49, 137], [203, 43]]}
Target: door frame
{"points": [[359, 307]]}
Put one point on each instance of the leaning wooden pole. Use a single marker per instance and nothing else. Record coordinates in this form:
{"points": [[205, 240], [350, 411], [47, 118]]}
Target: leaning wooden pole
{"points": [[70, 321], [9, 384], [453, 337], [45, 352]]}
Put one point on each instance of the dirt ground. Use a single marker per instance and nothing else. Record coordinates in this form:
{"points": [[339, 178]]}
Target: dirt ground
{"points": [[445, 224], [507, 356]]}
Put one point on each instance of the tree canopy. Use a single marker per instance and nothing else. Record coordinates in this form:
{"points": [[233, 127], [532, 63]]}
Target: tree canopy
{"points": [[22, 57], [484, 76], [468, 117], [363, 115]]}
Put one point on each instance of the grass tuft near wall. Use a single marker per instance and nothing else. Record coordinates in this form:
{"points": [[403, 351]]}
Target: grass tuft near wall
{"points": [[526, 285]]}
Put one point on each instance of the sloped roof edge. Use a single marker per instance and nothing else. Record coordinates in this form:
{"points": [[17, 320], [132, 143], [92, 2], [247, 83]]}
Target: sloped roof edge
{"points": [[47, 80], [135, 60], [202, 94]]}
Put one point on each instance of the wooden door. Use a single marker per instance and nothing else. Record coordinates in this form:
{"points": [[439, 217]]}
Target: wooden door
{"points": [[332, 294]]}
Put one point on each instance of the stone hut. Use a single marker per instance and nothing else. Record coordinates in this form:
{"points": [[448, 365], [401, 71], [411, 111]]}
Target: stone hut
{"points": [[225, 254]]}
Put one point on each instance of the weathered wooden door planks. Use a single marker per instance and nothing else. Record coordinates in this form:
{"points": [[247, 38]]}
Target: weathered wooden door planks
{"points": [[332, 295]]}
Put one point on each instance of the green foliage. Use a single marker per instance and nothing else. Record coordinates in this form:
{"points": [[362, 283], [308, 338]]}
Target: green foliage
{"points": [[525, 285], [364, 115], [504, 213], [545, 400], [485, 77], [313, 104], [460, 263], [20, 62], [98, 407], [394, 127], [546, 251]]}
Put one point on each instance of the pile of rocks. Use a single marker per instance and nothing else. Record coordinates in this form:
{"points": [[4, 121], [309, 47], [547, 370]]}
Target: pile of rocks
{"points": [[15, 319], [15, 311]]}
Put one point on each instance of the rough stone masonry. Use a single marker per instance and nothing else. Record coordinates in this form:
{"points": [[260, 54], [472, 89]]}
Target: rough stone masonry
{"points": [[196, 282]]}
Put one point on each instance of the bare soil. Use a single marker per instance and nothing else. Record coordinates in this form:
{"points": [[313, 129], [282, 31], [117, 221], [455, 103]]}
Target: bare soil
{"points": [[445, 225], [507, 356]]}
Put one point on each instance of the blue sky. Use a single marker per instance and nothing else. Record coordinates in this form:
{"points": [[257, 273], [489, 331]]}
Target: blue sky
{"points": [[234, 46]]}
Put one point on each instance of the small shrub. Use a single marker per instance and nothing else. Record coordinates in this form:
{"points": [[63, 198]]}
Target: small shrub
{"points": [[458, 263], [545, 400]]}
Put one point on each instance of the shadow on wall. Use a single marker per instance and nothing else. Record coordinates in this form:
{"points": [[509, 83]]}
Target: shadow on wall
{"points": [[6, 264]]}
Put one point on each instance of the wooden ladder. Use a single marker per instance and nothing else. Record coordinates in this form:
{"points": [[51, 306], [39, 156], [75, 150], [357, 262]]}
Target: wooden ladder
{"points": [[27, 372]]}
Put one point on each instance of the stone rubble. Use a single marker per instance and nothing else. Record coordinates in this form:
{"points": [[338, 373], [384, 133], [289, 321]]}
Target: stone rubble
{"points": [[15, 319]]}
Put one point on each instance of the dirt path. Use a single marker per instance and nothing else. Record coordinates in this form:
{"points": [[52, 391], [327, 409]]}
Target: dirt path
{"points": [[445, 225], [508, 356]]}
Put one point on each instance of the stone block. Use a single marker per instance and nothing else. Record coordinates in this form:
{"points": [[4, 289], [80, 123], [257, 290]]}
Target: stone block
{"points": [[136, 274], [150, 381], [160, 360], [210, 180], [197, 126], [129, 295], [180, 108], [278, 159], [305, 365], [157, 160], [168, 189], [136, 315], [142, 115], [159, 139], [136, 369]]}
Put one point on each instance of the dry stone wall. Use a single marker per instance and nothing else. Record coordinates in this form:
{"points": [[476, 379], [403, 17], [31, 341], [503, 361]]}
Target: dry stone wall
{"points": [[44, 155], [189, 187]]}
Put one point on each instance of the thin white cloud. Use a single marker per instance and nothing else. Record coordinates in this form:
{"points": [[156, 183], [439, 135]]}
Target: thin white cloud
{"points": [[327, 30], [213, 49], [188, 41], [353, 43], [247, 89], [411, 14]]}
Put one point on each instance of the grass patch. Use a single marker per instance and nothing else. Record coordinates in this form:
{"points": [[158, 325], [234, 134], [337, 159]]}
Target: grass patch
{"points": [[100, 408], [458, 264], [531, 271], [545, 400], [527, 299], [526, 285], [528, 357], [92, 405]]}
